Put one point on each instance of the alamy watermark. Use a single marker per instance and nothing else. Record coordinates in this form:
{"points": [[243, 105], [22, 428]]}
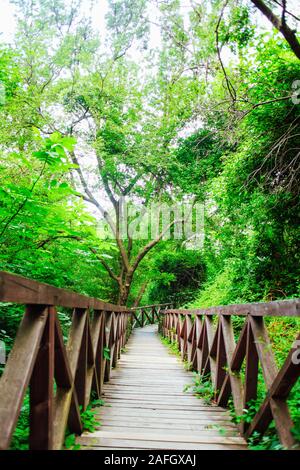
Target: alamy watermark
{"points": [[296, 92], [179, 221], [296, 353], [2, 353], [2, 93]]}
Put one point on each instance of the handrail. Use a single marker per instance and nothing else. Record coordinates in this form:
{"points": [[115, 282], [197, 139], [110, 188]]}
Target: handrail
{"points": [[147, 314], [152, 305], [19, 289], [277, 308], [206, 339], [60, 376]]}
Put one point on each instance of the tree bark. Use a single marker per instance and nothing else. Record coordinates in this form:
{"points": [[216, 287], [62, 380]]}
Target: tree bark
{"points": [[140, 295], [281, 25]]}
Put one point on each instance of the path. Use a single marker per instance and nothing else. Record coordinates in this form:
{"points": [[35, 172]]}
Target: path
{"points": [[146, 407]]}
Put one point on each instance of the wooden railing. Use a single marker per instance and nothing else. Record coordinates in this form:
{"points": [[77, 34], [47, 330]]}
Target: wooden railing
{"points": [[147, 314], [60, 376], [206, 339]]}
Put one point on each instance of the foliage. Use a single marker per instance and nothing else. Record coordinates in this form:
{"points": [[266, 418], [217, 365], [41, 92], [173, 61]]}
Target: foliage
{"points": [[106, 353], [181, 273], [173, 347], [89, 423], [202, 387]]}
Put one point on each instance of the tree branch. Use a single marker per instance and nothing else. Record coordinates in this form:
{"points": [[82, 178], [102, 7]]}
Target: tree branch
{"points": [[229, 85], [92, 250], [90, 198], [23, 203], [143, 252], [281, 26], [105, 265], [263, 103]]}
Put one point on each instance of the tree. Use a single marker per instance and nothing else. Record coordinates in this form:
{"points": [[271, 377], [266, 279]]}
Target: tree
{"points": [[123, 121], [280, 22]]}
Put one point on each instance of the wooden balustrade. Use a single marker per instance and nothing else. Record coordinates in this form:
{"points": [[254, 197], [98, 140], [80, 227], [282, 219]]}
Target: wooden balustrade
{"points": [[206, 339], [60, 376], [147, 314]]}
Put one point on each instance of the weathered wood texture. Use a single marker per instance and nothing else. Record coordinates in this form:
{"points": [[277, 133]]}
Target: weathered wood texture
{"points": [[21, 290], [212, 351], [277, 308], [146, 407], [61, 376], [147, 315], [40, 359]]}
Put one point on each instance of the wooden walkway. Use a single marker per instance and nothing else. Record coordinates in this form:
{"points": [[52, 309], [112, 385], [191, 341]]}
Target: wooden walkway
{"points": [[146, 407]]}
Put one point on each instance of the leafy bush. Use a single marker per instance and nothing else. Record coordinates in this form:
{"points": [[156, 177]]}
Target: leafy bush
{"points": [[180, 274]]}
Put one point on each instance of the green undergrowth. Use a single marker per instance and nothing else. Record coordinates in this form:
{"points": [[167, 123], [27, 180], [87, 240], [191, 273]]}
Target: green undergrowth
{"points": [[89, 423], [202, 387], [173, 348], [20, 440]]}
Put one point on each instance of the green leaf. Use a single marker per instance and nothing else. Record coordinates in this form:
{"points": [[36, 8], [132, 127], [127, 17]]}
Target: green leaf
{"points": [[106, 353]]}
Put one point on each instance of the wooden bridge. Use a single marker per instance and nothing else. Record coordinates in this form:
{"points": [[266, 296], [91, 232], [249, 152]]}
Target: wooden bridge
{"points": [[145, 406]]}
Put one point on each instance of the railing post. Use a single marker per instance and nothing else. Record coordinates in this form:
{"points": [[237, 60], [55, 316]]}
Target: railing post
{"points": [[78, 345], [41, 390], [109, 343], [251, 373], [116, 333], [189, 340], [143, 318], [98, 333]]}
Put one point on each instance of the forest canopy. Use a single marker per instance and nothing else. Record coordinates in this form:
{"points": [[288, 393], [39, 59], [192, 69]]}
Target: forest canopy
{"points": [[155, 102]]}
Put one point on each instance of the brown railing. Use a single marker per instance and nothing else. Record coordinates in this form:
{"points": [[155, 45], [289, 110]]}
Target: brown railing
{"points": [[147, 314], [60, 376], [206, 339]]}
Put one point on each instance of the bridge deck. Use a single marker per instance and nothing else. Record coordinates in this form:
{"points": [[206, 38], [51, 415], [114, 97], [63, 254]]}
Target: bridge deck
{"points": [[146, 407]]}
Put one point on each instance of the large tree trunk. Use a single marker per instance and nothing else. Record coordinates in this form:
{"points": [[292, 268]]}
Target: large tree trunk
{"points": [[140, 295], [280, 24], [124, 289]]}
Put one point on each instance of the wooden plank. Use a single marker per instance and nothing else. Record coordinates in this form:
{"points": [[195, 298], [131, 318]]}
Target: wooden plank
{"points": [[145, 406], [97, 348], [234, 379], [149, 412], [169, 422], [283, 422], [210, 365], [277, 308], [178, 398], [42, 390], [160, 406], [251, 373], [66, 409], [180, 438], [264, 350], [189, 432], [146, 392], [220, 359], [80, 351], [18, 289], [91, 377], [107, 443], [240, 350]]}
